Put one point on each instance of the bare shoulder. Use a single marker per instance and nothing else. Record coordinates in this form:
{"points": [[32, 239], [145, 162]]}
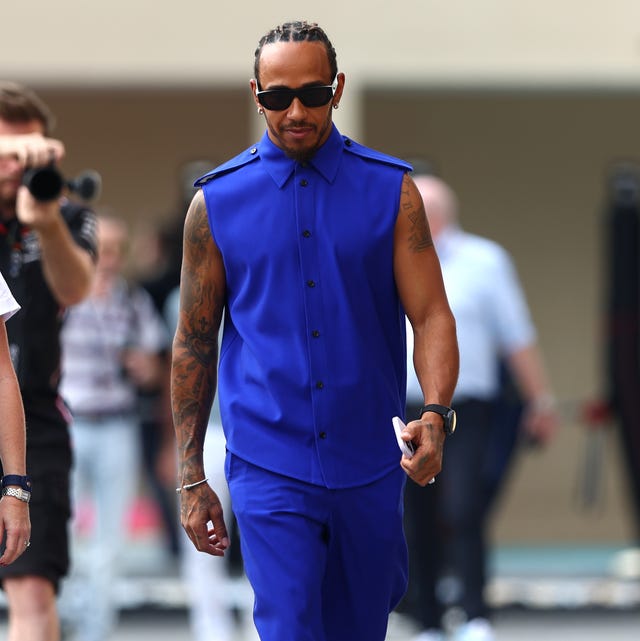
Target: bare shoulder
{"points": [[412, 228], [196, 225], [199, 247], [202, 281]]}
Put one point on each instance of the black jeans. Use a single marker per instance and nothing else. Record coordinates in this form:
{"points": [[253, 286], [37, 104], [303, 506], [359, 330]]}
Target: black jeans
{"points": [[445, 523]]}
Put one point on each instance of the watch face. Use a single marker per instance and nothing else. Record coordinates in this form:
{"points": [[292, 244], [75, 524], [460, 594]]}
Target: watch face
{"points": [[448, 415], [452, 419], [17, 492]]}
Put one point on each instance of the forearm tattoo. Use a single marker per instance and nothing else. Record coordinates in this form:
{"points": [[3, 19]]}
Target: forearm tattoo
{"points": [[195, 347]]}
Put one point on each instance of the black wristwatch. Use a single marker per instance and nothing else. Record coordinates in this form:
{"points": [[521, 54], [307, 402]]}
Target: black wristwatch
{"points": [[448, 415]]}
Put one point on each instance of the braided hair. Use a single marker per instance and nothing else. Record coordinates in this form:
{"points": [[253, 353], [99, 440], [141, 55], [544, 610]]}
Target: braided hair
{"points": [[297, 31]]}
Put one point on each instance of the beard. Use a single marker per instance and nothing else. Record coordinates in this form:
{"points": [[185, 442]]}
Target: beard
{"points": [[302, 154], [7, 199]]}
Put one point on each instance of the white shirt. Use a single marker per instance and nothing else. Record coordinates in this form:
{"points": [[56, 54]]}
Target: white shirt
{"points": [[491, 312], [94, 336], [8, 304]]}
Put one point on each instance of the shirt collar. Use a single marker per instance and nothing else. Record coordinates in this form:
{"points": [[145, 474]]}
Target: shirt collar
{"points": [[325, 161]]}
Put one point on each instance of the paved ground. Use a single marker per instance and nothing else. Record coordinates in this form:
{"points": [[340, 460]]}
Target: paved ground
{"points": [[511, 625]]}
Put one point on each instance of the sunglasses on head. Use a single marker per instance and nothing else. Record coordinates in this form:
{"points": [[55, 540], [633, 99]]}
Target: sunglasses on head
{"points": [[280, 99]]}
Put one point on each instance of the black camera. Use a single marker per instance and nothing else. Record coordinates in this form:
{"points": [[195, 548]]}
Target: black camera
{"points": [[46, 183]]}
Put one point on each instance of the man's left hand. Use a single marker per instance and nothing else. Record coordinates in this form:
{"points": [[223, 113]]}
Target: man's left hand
{"points": [[428, 438]]}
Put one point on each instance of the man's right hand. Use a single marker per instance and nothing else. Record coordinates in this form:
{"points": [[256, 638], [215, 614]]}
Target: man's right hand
{"points": [[200, 506], [32, 150]]}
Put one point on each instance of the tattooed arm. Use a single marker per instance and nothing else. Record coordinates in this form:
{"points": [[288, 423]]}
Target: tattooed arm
{"points": [[435, 357], [194, 376]]}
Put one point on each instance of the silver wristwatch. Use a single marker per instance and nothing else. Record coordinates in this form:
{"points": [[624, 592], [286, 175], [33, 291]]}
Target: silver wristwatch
{"points": [[17, 492]]}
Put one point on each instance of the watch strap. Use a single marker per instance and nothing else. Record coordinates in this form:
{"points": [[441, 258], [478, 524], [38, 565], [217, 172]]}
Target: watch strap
{"points": [[443, 410]]}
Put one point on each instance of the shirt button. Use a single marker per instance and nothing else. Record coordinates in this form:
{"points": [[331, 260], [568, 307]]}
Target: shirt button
{"points": [[303, 183], [315, 333], [254, 150], [323, 435], [320, 385], [311, 283], [306, 233]]}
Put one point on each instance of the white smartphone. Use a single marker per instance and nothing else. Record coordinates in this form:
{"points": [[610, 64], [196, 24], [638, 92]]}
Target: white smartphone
{"points": [[406, 447]]}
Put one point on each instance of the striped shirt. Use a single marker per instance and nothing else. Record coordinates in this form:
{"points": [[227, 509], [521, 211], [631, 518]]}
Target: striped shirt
{"points": [[95, 335]]}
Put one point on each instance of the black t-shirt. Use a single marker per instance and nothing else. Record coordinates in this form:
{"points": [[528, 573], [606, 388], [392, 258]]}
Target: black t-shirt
{"points": [[34, 331]]}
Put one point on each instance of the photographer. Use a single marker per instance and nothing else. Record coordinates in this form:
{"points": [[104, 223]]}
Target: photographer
{"points": [[47, 250]]}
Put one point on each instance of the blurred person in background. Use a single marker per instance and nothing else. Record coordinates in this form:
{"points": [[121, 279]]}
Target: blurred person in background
{"points": [[113, 344], [47, 252], [621, 354], [15, 527], [447, 522], [155, 257], [313, 247]]}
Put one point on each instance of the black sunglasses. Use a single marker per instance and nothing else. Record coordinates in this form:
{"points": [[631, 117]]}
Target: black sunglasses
{"points": [[280, 99]]}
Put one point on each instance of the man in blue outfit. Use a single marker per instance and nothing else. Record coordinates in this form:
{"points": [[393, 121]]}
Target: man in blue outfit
{"points": [[314, 247]]}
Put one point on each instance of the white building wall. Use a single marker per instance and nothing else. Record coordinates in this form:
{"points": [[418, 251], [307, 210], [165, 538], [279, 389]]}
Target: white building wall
{"points": [[204, 42]]}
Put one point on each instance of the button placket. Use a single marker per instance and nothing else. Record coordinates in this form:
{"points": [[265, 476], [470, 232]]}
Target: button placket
{"points": [[308, 251]]}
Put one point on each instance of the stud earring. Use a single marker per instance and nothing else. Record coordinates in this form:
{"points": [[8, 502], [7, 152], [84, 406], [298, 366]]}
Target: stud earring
{"points": [[260, 111], [335, 105]]}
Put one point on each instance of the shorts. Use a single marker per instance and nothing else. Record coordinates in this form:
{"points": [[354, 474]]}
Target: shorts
{"points": [[50, 511]]}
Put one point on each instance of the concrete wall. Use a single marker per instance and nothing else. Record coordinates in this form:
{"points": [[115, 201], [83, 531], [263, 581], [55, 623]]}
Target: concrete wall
{"points": [[209, 41]]}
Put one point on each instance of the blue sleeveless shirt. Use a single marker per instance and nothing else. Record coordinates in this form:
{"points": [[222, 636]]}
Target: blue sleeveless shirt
{"points": [[313, 358]]}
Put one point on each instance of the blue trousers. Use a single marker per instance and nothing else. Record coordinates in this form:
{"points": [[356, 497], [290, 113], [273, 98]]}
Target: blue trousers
{"points": [[325, 565]]}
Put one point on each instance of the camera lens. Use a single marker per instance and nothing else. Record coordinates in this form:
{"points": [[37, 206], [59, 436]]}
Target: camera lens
{"points": [[44, 183]]}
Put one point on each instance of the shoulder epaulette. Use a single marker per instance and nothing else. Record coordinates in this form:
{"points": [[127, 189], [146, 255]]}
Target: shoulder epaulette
{"points": [[372, 154], [240, 160]]}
